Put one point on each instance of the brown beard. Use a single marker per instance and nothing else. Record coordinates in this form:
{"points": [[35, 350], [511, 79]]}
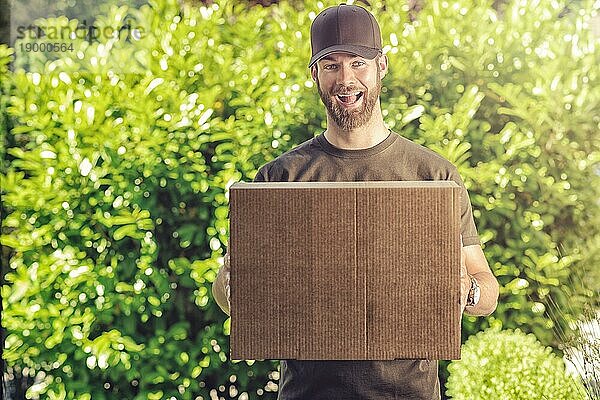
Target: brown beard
{"points": [[350, 119]]}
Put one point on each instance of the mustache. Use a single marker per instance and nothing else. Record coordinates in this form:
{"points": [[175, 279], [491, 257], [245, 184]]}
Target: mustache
{"points": [[346, 90]]}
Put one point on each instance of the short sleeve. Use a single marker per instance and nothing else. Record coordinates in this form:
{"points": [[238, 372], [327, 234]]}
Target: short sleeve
{"points": [[260, 175], [467, 222], [269, 172]]}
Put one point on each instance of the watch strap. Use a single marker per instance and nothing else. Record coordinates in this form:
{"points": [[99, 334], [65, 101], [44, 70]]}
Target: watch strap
{"points": [[474, 292]]}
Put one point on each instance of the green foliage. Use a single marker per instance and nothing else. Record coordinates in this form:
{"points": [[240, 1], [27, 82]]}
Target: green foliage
{"points": [[118, 156], [509, 364], [5, 56]]}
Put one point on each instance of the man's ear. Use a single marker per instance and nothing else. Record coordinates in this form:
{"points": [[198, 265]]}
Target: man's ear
{"points": [[383, 65], [313, 72]]}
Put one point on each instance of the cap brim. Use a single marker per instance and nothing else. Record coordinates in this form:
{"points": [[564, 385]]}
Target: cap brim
{"points": [[361, 51]]}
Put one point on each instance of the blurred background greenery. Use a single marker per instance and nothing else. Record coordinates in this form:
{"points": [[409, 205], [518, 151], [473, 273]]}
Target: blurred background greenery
{"points": [[117, 157]]}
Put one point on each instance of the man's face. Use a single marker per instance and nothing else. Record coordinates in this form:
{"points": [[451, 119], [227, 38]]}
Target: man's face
{"points": [[349, 87]]}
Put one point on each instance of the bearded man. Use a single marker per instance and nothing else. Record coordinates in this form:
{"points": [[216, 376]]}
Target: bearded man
{"points": [[347, 66]]}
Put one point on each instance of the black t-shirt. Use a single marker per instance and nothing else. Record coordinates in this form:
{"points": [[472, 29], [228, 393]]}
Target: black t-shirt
{"points": [[394, 159]]}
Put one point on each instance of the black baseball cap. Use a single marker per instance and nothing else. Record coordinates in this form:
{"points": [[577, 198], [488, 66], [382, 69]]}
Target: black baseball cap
{"points": [[347, 28]]}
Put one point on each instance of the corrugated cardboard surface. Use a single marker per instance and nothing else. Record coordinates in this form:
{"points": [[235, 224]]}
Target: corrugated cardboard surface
{"points": [[345, 270]]}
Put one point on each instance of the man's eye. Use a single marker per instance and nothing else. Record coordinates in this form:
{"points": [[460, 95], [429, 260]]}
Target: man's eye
{"points": [[330, 66], [359, 63]]}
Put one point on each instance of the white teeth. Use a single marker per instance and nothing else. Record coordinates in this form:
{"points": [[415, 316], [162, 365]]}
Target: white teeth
{"points": [[348, 95]]}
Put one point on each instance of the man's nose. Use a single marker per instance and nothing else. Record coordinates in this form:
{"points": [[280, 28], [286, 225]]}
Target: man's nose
{"points": [[346, 75]]}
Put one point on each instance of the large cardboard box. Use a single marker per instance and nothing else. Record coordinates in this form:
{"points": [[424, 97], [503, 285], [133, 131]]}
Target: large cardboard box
{"points": [[345, 270]]}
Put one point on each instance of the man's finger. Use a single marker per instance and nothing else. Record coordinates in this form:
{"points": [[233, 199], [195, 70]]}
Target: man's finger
{"points": [[227, 279], [462, 253], [228, 289]]}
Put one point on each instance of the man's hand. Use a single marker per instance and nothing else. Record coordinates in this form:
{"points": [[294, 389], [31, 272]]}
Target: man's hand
{"points": [[227, 272], [220, 287], [474, 265], [465, 280]]}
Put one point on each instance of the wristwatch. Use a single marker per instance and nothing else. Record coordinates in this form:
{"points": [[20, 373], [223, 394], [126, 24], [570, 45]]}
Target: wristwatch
{"points": [[474, 293]]}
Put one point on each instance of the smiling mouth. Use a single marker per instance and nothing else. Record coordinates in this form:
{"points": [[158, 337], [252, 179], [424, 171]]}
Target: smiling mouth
{"points": [[350, 98]]}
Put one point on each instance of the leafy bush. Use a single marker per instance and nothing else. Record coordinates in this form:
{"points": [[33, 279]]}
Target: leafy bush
{"points": [[118, 156], [509, 364]]}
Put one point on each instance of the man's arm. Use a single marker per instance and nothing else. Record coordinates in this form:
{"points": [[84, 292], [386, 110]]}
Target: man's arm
{"points": [[477, 267], [220, 286]]}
